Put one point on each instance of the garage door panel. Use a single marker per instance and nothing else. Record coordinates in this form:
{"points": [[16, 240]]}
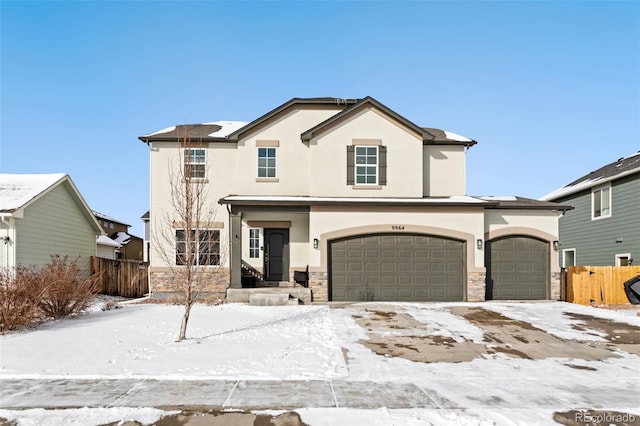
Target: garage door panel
{"points": [[397, 267], [517, 268]]}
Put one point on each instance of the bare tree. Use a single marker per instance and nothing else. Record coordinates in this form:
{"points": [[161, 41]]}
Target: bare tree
{"points": [[188, 244]]}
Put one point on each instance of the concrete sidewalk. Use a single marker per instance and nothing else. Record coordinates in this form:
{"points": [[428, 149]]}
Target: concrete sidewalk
{"points": [[227, 394]]}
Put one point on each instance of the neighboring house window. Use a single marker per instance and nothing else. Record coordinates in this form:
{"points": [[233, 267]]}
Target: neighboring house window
{"points": [[623, 259], [568, 257], [366, 165], [202, 248], [601, 202], [254, 242], [266, 162], [194, 163]]}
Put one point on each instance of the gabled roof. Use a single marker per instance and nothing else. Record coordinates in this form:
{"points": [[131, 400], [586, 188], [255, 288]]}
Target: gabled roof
{"points": [[429, 136], [108, 218], [337, 102], [19, 191], [103, 240], [215, 131], [622, 167]]}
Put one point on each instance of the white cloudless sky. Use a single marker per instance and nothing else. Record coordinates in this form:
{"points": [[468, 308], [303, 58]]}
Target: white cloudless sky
{"points": [[550, 90]]}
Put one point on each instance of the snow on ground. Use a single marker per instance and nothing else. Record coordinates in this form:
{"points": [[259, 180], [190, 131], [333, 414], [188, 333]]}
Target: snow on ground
{"points": [[231, 341], [236, 341]]}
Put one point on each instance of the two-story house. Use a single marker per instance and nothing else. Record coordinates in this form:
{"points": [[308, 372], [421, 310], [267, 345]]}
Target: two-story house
{"points": [[604, 227], [374, 205], [129, 245]]}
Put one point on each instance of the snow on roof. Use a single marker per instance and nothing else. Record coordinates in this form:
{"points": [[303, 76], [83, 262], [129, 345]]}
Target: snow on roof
{"points": [[456, 137], [109, 218], [106, 241], [226, 127], [16, 190], [165, 130], [122, 237], [570, 189]]}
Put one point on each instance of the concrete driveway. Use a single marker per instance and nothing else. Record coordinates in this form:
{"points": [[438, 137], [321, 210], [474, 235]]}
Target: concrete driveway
{"points": [[543, 362]]}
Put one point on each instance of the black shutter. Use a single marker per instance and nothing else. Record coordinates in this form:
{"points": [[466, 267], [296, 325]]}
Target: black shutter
{"points": [[382, 165], [350, 165]]}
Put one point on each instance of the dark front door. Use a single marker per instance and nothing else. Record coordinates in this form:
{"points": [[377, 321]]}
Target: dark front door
{"points": [[276, 254]]}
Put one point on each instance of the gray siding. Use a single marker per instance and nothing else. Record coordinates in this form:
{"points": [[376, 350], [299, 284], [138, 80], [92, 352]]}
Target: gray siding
{"points": [[595, 240], [54, 224]]}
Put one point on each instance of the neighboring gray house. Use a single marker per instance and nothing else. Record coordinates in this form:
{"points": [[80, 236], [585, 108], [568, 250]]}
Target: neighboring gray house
{"points": [[604, 227], [43, 215]]}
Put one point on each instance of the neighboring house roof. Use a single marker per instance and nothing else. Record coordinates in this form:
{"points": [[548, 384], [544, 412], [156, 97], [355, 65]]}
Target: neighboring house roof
{"points": [[109, 218], [145, 217], [622, 167], [103, 240], [221, 131], [18, 191], [123, 238]]}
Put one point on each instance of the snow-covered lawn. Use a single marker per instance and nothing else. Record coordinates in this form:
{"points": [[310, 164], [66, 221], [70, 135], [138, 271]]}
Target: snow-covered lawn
{"points": [[319, 342]]}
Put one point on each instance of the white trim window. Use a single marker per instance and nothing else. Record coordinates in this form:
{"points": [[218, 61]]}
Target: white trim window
{"points": [[366, 165], [623, 259], [200, 247], [266, 162], [601, 202], [194, 163], [568, 257], [254, 243]]}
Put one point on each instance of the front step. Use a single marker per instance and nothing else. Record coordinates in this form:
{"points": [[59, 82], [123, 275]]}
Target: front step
{"points": [[261, 299], [243, 295]]}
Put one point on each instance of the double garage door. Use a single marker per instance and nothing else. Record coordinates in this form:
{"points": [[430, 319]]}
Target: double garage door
{"points": [[517, 268], [397, 267]]}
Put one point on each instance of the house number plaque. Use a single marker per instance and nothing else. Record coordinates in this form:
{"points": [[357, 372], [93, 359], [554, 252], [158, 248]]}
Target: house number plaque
{"points": [[397, 227]]}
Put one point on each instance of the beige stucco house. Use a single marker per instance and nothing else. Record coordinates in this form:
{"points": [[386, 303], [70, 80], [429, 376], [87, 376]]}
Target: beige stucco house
{"points": [[372, 204]]}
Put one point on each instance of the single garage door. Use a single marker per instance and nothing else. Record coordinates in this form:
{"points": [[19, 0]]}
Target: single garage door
{"points": [[396, 267], [517, 268]]}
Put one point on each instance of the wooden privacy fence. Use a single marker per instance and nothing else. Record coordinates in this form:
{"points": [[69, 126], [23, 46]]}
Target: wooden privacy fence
{"points": [[126, 278], [600, 285]]}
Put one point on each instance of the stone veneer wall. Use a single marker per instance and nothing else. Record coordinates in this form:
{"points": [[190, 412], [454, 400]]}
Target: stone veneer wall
{"points": [[476, 286], [319, 285], [214, 285], [554, 291]]}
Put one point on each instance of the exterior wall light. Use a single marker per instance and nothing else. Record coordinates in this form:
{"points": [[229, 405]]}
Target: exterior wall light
{"points": [[479, 244], [315, 243], [556, 244]]}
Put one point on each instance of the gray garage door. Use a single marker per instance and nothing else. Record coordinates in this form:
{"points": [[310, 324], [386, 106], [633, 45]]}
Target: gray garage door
{"points": [[396, 267], [517, 268]]}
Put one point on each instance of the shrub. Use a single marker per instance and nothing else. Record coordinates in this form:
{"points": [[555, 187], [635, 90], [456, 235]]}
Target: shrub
{"points": [[29, 296], [63, 291], [19, 297]]}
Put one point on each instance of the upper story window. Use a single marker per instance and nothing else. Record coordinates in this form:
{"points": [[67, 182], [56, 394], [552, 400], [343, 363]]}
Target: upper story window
{"points": [[266, 162], [199, 247], [194, 163], [366, 164], [601, 202]]}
